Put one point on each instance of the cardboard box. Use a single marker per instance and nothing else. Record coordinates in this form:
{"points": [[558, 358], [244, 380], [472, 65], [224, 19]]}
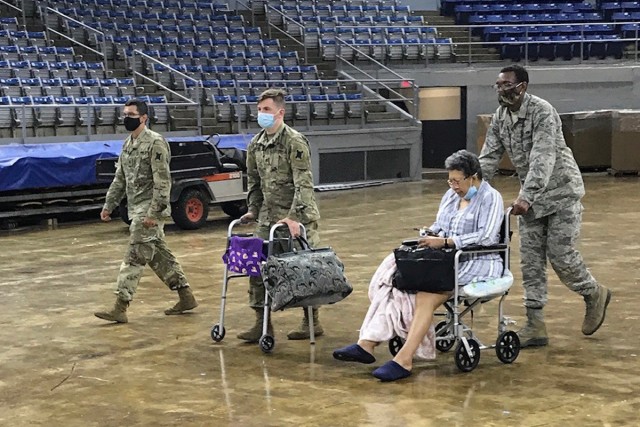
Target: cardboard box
{"points": [[625, 141], [588, 134], [484, 120]]}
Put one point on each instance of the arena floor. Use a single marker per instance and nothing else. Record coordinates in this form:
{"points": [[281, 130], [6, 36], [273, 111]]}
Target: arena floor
{"points": [[61, 366]]}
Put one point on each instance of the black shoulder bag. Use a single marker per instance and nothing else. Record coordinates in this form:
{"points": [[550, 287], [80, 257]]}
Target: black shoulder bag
{"points": [[424, 269]]}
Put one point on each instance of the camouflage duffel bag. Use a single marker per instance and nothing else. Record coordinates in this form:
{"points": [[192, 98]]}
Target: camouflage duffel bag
{"points": [[307, 277]]}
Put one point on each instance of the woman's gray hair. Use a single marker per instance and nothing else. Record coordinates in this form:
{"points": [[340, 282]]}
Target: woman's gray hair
{"points": [[464, 161]]}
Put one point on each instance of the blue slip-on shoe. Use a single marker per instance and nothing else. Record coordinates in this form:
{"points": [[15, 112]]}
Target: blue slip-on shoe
{"points": [[353, 353], [391, 371]]}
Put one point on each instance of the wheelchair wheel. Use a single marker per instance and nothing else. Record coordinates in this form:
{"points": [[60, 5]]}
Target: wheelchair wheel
{"points": [[395, 344], [467, 362], [267, 342], [508, 347], [443, 345], [217, 333]]}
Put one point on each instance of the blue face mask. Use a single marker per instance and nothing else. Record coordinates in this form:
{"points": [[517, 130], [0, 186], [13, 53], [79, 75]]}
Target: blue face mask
{"points": [[471, 193], [266, 120]]}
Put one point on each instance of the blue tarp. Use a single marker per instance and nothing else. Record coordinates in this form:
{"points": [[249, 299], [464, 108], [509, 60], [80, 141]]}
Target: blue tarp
{"points": [[32, 166]]}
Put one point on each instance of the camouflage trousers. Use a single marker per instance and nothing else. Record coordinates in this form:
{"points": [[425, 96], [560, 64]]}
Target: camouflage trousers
{"points": [[147, 246], [554, 237], [256, 286]]}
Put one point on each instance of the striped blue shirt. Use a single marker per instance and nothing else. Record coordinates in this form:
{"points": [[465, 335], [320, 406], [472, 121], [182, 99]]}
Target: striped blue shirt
{"points": [[477, 224]]}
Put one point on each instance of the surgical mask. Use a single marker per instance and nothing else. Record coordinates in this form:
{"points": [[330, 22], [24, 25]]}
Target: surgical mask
{"points": [[509, 97], [471, 193], [266, 120], [131, 123]]}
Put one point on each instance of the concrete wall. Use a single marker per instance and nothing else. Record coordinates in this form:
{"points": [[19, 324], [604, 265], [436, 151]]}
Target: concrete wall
{"points": [[568, 89]]}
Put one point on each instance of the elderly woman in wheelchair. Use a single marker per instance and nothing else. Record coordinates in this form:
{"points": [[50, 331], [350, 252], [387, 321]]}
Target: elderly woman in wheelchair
{"points": [[470, 215]]}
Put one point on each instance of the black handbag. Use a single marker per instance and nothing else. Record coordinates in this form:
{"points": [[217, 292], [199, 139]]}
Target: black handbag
{"points": [[424, 269], [306, 277]]}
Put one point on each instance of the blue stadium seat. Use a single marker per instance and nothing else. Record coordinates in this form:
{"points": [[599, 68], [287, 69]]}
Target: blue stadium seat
{"points": [[11, 87], [510, 49], [630, 31], [614, 47], [609, 8], [546, 48]]}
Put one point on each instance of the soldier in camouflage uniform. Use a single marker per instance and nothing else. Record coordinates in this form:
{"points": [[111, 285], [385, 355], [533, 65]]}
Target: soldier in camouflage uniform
{"points": [[529, 129], [142, 174], [280, 191]]}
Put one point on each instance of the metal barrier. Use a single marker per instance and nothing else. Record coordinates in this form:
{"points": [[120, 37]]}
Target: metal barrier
{"points": [[361, 83], [44, 11], [196, 102], [376, 80], [286, 18], [23, 108], [462, 50], [371, 79], [18, 9], [247, 8]]}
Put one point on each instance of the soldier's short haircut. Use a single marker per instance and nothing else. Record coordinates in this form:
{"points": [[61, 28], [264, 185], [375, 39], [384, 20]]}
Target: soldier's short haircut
{"points": [[521, 73], [464, 161], [276, 94], [140, 105]]}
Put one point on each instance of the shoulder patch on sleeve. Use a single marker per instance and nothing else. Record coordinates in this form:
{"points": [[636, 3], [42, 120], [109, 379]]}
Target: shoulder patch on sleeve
{"points": [[300, 157]]}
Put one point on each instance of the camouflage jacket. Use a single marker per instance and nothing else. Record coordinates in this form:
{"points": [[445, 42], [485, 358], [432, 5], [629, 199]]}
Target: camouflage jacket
{"points": [[280, 182], [549, 175], [142, 174]]}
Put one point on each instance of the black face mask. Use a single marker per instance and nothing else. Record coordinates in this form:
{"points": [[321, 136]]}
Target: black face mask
{"points": [[131, 123]]}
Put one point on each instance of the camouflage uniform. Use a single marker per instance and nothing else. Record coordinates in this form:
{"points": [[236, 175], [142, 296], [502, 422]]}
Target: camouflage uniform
{"points": [[552, 185], [280, 186], [143, 175]]}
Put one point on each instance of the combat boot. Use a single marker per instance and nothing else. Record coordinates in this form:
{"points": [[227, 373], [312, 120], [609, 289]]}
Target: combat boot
{"points": [[187, 302], [118, 314], [534, 333], [255, 332], [596, 309], [303, 333]]}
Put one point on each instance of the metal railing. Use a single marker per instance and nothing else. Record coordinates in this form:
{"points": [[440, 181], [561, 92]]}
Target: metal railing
{"points": [[136, 73], [244, 117], [286, 18], [409, 83], [91, 120], [247, 8], [20, 10], [45, 11], [462, 51]]}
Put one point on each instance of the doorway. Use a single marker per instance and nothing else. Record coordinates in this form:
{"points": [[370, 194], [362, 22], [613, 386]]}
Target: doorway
{"points": [[443, 111]]}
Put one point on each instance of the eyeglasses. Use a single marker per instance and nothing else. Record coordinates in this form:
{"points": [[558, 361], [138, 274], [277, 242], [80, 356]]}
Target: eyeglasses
{"points": [[456, 182], [506, 86]]}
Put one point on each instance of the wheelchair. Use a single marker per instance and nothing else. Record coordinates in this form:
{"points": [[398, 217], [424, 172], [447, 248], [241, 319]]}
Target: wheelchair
{"points": [[465, 299]]}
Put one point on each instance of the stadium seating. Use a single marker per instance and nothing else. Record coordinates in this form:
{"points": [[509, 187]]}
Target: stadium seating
{"points": [[210, 54]]}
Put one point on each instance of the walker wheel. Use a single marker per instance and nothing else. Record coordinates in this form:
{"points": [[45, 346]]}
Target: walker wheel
{"points": [[267, 342], [508, 347], [467, 362], [395, 344], [217, 333], [443, 345]]}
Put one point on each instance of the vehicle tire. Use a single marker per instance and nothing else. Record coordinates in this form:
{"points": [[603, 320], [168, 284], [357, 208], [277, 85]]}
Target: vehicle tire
{"points": [[235, 209], [191, 210], [123, 209]]}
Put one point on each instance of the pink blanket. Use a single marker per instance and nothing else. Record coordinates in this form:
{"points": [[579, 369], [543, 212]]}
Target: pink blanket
{"points": [[391, 312]]}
